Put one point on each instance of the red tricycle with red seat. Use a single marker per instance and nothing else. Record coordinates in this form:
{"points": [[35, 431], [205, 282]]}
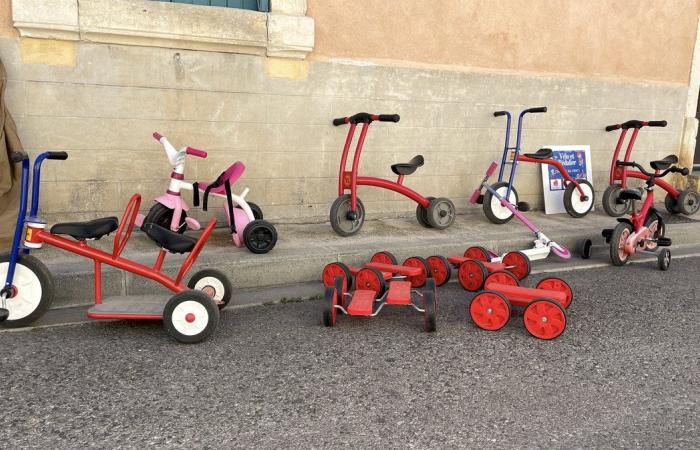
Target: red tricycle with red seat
{"points": [[378, 283], [476, 264], [191, 315], [544, 316], [348, 213], [686, 201]]}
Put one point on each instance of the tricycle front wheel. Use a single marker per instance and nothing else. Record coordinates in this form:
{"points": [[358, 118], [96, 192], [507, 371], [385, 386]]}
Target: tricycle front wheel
{"points": [[32, 290]]}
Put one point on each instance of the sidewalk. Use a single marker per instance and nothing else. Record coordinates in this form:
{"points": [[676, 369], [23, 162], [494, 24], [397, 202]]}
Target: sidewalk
{"points": [[304, 249]]}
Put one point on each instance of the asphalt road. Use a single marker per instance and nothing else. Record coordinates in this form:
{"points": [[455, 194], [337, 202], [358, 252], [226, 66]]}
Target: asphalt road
{"points": [[625, 374]]}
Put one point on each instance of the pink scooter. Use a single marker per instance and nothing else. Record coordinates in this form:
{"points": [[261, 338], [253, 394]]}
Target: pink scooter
{"points": [[245, 219]]}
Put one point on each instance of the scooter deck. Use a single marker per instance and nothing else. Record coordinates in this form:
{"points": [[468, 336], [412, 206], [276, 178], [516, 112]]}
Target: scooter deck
{"points": [[399, 293], [132, 307], [362, 303]]}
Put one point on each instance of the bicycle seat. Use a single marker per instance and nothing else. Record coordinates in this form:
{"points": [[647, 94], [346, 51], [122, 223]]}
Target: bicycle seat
{"points": [[663, 164], [93, 229], [630, 194], [169, 240], [232, 174], [543, 153], [409, 167]]}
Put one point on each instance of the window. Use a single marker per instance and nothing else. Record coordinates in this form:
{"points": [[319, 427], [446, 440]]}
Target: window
{"points": [[253, 5]]}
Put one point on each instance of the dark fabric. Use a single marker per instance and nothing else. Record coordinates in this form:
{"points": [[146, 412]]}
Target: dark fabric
{"points": [[9, 173]]}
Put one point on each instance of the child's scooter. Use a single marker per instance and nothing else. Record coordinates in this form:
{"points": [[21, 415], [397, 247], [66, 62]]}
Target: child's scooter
{"points": [[578, 194], [348, 212], [645, 230], [686, 201], [380, 259], [191, 315], [245, 219], [542, 243]]}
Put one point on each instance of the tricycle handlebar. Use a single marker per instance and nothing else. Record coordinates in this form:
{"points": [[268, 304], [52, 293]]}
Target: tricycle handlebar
{"points": [[18, 156], [539, 109], [673, 169], [196, 152], [62, 156], [636, 124], [366, 118]]}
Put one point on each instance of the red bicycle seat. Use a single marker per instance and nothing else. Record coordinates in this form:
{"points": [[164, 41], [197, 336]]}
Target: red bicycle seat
{"points": [[232, 174]]}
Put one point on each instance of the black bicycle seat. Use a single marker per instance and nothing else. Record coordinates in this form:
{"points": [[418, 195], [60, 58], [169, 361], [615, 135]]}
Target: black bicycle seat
{"points": [[169, 240], [409, 167], [663, 164], [543, 153], [630, 194], [93, 229]]}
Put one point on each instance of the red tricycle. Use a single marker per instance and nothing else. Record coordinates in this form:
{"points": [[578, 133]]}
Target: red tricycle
{"points": [[645, 230], [348, 212], [377, 284], [544, 316], [191, 315], [686, 201], [475, 265]]}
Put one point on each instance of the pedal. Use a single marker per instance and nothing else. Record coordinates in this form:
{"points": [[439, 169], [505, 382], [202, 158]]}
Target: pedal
{"points": [[480, 200], [663, 242], [523, 206], [607, 234]]}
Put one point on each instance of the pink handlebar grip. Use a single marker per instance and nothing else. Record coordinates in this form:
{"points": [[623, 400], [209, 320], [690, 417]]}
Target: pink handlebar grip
{"points": [[492, 168], [196, 152], [157, 136], [475, 196]]}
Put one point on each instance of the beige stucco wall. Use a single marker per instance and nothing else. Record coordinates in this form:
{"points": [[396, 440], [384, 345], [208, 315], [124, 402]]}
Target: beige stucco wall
{"points": [[643, 39]]}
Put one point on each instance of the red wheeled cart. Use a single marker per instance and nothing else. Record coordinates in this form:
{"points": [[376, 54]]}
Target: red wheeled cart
{"points": [[378, 284], [476, 264], [544, 316]]}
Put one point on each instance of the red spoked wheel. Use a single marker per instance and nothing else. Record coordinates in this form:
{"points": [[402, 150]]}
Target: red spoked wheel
{"points": [[440, 268], [384, 258], [544, 319], [472, 274], [517, 263], [371, 280], [420, 262], [336, 269], [489, 311], [559, 285], [478, 253], [501, 277]]}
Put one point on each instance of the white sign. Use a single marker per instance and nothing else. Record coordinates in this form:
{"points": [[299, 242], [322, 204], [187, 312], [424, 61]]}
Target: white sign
{"points": [[576, 159]]}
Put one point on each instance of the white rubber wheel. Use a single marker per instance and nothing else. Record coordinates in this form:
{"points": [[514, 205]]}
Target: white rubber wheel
{"points": [[190, 316], [213, 283], [493, 209], [33, 290], [572, 199]]}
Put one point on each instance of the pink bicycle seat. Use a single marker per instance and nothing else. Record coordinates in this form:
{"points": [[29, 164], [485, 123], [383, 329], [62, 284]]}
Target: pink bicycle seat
{"points": [[232, 174]]}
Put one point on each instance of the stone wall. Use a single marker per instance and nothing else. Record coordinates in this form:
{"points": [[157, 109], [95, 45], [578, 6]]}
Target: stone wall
{"points": [[103, 106]]}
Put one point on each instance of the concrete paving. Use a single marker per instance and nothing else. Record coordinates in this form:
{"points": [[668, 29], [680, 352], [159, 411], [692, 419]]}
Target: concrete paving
{"points": [[304, 249], [623, 375]]}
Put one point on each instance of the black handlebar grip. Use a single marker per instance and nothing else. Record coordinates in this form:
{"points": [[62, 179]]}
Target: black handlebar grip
{"points": [[684, 171], [539, 109], [57, 155], [339, 121], [500, 113], [389, 118], [612, 127], [626, 163], [657, 123], [18, 156]]}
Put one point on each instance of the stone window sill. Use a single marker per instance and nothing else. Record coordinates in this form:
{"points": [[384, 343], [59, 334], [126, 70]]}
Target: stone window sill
{"points": [[285, 32]]}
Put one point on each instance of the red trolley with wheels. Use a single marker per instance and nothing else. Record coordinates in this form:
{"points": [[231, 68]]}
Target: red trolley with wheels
{"points": [[348, 213], [544, 316], [476, 264], [377, 284], [191, 315], [686, 201]]}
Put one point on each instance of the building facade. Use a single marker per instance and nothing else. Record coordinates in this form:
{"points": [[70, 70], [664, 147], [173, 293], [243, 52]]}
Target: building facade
{"points": [[97, 77]]}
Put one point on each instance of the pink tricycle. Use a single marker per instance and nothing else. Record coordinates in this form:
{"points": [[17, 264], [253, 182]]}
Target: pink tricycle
{"points": [[245, 219]]}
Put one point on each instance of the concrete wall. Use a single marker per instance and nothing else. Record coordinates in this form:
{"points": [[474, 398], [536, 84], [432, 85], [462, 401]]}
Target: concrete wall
{"points": [[102, 102]]}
